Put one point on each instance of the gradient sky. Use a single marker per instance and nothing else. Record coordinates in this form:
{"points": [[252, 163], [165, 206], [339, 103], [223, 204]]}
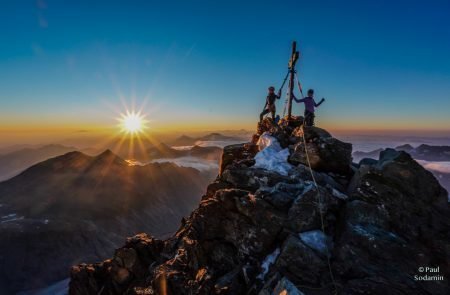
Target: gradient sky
{"points": [[67, 65]]}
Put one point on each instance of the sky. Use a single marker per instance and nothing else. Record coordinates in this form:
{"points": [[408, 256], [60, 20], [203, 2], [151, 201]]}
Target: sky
{"points": [[75, 66]]}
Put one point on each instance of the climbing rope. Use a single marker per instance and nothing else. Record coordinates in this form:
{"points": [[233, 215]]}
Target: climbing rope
{"points": [[286, 101], [319, 197], [299, 85], [287, 93], [280, 91], [284, 81]]}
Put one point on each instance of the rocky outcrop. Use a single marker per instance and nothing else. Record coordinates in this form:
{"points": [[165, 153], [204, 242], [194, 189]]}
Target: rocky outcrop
{"points": [[326, 153], [242, 153], [423, 152], [257, 231]]}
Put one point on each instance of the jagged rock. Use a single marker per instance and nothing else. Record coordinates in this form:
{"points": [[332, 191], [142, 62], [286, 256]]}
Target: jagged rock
{"points": [[259, 232], [359, 212], [300, 262], [282, 194], [326, 154], [396, 218], [267, 125], [318, 241], [311, 133], [280, 132], [215, 186], [304, 213], [237, 152]]}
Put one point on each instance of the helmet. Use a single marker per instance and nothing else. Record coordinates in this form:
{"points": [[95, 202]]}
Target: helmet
{"points": [[310, 91], [272, 88]]}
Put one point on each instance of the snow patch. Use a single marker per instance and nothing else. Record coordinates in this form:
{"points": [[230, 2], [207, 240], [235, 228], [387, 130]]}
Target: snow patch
{"points": [[12, 219], [309, 186], [338, 194], [12, 215], [268, 261], [271, 156], [316, 240]]}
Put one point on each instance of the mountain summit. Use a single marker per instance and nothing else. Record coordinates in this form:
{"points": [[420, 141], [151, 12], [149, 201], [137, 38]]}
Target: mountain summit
{"points": [[270, 225]]}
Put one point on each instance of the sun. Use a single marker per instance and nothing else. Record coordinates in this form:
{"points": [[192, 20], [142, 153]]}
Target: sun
{"points": [[132, 122]]}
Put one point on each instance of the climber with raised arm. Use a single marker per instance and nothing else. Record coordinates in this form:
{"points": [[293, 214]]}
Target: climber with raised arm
{"points": [[310, 105], [269, 107]]}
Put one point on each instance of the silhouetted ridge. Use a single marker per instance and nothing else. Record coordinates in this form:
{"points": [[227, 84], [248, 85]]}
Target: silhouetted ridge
{"points": [[80, 208], [108, 156]]}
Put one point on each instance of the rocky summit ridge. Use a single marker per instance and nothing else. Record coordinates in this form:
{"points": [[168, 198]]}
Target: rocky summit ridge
{"points": [[263, 227]]}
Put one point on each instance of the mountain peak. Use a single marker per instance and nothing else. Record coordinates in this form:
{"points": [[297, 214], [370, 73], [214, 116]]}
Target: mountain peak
{"points": [[268, 223], [106, 153], [405, 147], [109, 156]]}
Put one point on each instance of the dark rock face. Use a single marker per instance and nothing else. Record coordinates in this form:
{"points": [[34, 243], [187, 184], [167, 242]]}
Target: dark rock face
{"points": [[326, 154], [259, 232], [243, 153]]}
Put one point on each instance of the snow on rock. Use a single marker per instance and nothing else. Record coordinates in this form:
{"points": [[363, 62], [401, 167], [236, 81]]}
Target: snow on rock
{"points": [[316, 240], [271, 156], [13, 219], [338, 194], [268, 261], [12, 215]]}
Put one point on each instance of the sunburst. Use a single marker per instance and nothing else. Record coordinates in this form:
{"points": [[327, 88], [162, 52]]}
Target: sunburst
{"points": [[133, 122]]}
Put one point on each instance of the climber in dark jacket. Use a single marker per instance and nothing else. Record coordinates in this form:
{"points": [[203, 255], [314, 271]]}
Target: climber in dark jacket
{"points": [[310, 105], [269, 107]]}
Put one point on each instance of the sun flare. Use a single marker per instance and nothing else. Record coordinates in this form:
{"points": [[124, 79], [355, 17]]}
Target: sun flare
{"points": [[132, 122]]}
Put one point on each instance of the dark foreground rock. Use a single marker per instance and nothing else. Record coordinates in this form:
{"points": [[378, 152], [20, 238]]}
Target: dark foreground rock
{"points": [[258, 232]]}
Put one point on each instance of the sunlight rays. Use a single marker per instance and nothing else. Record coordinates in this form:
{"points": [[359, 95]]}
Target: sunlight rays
{"points": [[133, 122]]}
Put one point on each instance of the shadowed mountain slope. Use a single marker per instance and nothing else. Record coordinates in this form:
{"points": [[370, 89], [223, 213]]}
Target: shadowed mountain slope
{"points": [[79, 208]]}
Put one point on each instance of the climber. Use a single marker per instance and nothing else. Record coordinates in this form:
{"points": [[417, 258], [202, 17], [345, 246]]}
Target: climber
{"points": [[269, 107], [310, 105]]}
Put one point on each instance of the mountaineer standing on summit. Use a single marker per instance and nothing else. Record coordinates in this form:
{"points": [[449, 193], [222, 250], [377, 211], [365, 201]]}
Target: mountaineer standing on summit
{"points": [[269, 107], [310, 105]]}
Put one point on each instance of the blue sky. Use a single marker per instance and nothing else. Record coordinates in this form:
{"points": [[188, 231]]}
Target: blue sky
{"points": [[207, 64]]}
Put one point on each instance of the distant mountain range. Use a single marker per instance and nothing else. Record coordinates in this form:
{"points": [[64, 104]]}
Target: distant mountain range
{"points": [[422, 152], [164, 151], [13, 161], [16, 159], [76, 207]]}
